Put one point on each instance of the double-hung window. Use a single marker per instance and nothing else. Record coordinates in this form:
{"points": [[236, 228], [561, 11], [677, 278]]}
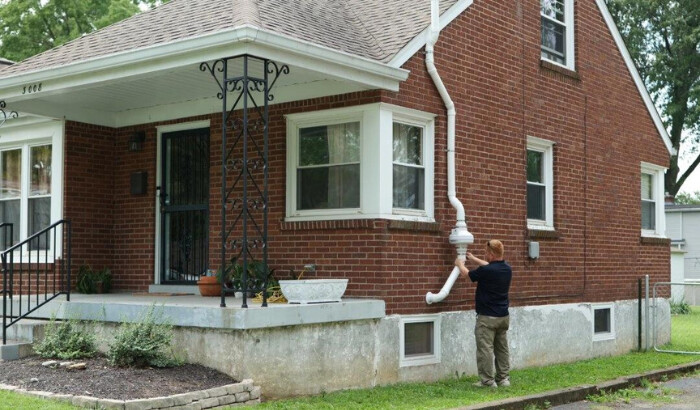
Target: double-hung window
{"points": [[540, 184], [29, 181], [368, 161], [557, 19], [408, 167], [652, 193], [328, 173]]}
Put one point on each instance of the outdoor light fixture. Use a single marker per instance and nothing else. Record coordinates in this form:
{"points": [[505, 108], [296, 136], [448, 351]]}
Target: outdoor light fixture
{"points": [[136, 141]]}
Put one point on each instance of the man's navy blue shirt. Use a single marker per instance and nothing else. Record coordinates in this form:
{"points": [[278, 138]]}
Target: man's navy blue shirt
{"points": [[493, 283]]}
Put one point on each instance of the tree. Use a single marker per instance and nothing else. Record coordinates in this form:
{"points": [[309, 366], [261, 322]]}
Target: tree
{"points": [[663, 38], [687, 199], [28, 27]]}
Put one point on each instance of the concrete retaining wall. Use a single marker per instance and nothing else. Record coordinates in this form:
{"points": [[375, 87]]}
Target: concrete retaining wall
{"points": [[316, 358]]}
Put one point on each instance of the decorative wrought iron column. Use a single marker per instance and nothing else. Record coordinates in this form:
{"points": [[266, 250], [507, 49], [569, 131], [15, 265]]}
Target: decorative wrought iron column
{"points": [[244, 157], [4, 115]]}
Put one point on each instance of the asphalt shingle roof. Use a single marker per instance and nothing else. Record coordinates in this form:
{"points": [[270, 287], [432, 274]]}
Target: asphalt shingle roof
{"points": [[374, 29]]}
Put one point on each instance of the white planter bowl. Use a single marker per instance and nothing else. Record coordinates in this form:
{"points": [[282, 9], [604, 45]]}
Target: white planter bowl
{"points": [[313, 290]]}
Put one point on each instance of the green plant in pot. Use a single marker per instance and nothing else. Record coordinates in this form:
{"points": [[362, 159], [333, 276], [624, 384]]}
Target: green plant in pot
{"points": [[93, 281], [258, 275]]}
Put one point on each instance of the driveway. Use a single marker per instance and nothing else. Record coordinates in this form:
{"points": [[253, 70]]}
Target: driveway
{"points": [[684, 394]]}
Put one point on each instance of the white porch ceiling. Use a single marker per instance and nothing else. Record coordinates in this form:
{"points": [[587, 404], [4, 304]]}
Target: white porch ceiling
{"points": [[170, 94]]}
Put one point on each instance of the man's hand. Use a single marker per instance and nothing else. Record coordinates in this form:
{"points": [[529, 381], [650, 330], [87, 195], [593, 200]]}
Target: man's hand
{"points": [[473, 259], [463, 271]]}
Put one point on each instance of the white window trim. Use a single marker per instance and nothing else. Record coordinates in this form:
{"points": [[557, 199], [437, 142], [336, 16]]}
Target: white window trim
{"points": [[376, 161], [547, 149], [570, 51], [657, 173], [41, 132], [603, 335], [424, 359]]}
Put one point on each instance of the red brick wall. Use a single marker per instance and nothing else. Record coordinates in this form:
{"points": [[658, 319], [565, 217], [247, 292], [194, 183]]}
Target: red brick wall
{"points": [[489, 59], [88, 201]]}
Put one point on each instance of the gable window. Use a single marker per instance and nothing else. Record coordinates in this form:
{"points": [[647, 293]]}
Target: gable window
{"points": [[540, 185], [29, 183], [368, 161], [603, 322], [419, 340], [652, 182], [557, 19]]}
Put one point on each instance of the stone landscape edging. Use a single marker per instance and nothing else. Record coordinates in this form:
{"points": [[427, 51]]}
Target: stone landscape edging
{"points": [[578, 393], [218, 397]]}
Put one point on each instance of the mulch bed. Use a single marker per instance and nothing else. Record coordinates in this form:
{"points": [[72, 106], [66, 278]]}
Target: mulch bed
{"points": [[104, 381]]}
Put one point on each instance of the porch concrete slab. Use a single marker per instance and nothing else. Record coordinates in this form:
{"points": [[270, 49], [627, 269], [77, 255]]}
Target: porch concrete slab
{"points": [[205, 312]]}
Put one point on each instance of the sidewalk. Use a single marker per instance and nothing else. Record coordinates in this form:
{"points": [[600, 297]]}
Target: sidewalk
{"points": [[572, 394]]}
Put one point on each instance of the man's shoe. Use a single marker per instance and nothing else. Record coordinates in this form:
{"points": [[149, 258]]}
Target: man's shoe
{"points": [[504, 383], [491, 385]]}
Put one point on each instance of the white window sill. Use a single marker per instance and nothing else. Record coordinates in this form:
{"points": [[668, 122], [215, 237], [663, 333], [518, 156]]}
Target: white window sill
{"points": [[359, 215], [652, 234], [539, 227], [601, 337], [421, 360]]}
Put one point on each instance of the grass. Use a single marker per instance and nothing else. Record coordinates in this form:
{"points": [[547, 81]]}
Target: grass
{"points": [[685, 331], [460, 392], [648, 392], [10, 400]]}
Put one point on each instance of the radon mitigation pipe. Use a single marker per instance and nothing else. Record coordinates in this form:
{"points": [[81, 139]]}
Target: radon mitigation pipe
{"points": [[460, 236]]}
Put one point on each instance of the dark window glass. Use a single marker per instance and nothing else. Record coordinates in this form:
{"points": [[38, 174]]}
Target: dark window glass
{"points": [[328, 187], [39, 218], [602, 321], [418, 339], [409, 187]]}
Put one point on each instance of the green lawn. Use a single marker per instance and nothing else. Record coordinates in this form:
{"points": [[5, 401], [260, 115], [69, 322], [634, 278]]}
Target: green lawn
{"points": [[460, 392], [9, 400]]}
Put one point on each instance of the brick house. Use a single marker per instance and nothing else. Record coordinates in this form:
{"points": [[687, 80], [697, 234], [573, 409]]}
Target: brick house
{"points": [[554, 133]]}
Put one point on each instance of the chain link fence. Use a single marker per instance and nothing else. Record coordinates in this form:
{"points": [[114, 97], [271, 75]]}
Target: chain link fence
{"points": [[683, 301]]}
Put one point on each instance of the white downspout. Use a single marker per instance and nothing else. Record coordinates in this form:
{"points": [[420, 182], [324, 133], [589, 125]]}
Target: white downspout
{"points": [[460, 236]]}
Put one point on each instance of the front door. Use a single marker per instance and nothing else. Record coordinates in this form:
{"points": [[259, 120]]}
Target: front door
{"points": [[184, 206]]}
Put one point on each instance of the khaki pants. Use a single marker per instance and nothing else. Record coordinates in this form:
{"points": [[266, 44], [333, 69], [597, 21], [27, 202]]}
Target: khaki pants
{"points": [[491, 335]]}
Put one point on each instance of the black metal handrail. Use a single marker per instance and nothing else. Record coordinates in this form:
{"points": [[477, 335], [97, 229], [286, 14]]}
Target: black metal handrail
{"points": [[20, 270]]}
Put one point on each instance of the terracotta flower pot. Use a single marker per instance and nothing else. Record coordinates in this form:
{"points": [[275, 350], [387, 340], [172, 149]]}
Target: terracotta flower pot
{"points": [[209, 286]]}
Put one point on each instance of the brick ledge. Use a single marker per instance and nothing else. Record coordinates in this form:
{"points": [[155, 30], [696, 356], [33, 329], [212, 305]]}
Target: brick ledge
{"points": [[647, 240], [560, 70]]}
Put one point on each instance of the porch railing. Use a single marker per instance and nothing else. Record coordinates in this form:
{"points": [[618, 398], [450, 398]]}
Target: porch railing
{"points": [[34, 272]]}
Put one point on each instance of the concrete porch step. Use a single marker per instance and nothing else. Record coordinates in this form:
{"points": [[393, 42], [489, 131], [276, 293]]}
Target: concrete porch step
{"points": [[16, 349], [20, 338]]}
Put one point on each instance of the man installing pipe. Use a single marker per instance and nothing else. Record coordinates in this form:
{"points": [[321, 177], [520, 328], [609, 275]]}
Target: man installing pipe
{"points": [[493, 277]]}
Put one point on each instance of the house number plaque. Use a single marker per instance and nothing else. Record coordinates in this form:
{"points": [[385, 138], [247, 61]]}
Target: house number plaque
{"points": [[31, 88]]}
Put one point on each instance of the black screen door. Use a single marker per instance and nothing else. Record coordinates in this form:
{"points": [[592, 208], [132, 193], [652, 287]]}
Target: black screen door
{"points": [[184, 206]]}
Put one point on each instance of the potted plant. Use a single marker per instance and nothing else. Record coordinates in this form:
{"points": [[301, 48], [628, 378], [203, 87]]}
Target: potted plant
{"points": [[93, 281], [305, 291], [258, 274], [209, 284]]}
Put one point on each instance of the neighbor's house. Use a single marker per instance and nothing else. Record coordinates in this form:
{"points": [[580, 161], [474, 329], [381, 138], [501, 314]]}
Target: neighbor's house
{"points": [[683, 228], [554, 135]]}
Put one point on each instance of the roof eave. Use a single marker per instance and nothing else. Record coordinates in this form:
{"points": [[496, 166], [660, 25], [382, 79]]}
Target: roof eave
{"points": [[240, 40]]}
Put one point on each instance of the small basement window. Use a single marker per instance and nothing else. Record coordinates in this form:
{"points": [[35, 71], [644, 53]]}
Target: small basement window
{"points": [[420, 340], [603, 322]]}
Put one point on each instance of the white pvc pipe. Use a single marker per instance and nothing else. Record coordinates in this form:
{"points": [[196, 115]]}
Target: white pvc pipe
{"points": [[460, 236]]}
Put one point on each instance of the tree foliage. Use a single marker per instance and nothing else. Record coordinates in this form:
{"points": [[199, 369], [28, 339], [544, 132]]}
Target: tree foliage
{"points": [[28, 27], [687, 199], [663, 38]]}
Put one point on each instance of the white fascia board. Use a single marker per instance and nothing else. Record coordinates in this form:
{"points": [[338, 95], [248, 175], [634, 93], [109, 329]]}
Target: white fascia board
{"points": [[635, 76], [238, 41], [420, 40]]}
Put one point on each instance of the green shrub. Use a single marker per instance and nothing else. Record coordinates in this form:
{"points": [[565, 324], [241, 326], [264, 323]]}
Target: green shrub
{"points": [[93, 281], [145, 342], [66, 340], [680, 308]]}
